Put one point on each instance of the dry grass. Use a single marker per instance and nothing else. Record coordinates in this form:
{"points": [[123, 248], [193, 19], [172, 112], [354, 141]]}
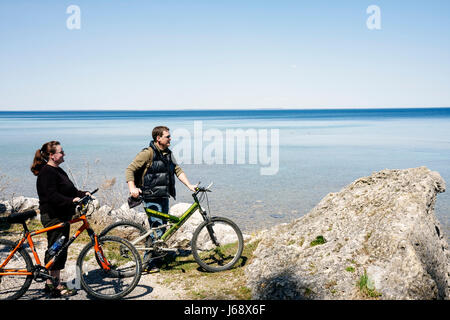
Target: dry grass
{"points": [[110, 193]]}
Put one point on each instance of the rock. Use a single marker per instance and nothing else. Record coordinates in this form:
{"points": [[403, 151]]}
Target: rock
{"points": [[182, 238], [102, 216], [376, 238], [20, 204], [5, 207], [105, 215]]}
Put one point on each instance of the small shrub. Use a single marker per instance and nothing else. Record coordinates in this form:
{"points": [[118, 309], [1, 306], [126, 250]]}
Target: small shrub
{"points": [[319, 240], [367, 287]]}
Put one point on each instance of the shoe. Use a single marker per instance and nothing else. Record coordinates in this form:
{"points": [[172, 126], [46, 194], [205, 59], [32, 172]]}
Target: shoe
{"points": [[48, 288], [66, 292], [147, 257], [54, 292], [150, 268]]}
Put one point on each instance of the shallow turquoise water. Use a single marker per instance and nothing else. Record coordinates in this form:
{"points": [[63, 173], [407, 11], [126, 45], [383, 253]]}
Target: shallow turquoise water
{"points": [[320, 152]]}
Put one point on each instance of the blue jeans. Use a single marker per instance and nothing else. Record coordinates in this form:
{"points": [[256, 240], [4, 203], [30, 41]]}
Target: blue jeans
{"points": [[161, 205]]}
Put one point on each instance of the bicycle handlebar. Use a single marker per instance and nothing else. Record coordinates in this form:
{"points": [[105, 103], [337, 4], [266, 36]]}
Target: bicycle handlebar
{"points": [[203, 189], [133, 202], [86, 198]]}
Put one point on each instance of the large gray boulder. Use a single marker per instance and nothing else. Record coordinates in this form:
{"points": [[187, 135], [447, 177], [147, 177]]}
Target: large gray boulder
{"points": [[376, 238], [182, 238], [106, 215], [20, 204]]}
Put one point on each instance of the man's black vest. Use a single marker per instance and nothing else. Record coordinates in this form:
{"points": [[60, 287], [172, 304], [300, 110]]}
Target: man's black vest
{"points": [[159, 180]]}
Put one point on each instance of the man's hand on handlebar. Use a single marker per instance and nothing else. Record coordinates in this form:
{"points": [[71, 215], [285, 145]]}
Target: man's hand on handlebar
{"points": [[135, 192], [202, 189], [192, 187]]}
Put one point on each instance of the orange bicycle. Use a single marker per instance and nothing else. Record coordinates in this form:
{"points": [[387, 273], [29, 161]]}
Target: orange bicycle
{"points": [[106, 270]]}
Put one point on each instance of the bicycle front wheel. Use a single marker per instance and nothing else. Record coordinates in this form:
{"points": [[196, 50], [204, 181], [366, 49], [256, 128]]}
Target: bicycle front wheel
{"points": [[124, 273], [14, 286], [217, 244], [131, 231]]}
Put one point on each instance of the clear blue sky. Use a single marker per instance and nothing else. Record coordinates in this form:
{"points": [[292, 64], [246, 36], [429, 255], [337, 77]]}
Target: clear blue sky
{"points": [[223, 54]]}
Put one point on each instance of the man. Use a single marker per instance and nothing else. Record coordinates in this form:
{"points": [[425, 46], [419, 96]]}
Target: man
{"points": [[152, 174]]}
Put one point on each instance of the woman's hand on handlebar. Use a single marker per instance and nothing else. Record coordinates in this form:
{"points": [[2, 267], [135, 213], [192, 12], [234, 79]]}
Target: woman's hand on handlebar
{"points": [[88, 195], [77, 199]]}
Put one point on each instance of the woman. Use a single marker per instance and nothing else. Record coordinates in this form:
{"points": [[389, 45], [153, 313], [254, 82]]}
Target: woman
{"points": [[57, 196]]}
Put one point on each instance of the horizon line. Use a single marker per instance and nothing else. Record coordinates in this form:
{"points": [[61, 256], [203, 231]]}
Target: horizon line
{"points": [[222, 109]]}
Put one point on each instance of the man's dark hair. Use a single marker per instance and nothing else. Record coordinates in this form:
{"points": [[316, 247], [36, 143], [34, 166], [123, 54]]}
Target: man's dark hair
{"points": [[158, 131]]}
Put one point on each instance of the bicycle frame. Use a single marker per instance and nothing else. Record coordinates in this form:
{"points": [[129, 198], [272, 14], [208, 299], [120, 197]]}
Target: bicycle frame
{"points": [[28, 237], [178, 221]]}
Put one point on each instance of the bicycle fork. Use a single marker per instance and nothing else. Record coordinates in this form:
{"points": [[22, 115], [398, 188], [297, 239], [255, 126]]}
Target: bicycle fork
{"points": [[212, 234], [209, 226], [98, 251]]}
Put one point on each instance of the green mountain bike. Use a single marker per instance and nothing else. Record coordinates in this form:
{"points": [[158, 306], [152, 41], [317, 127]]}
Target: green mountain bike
{"points": [[216, 244]]}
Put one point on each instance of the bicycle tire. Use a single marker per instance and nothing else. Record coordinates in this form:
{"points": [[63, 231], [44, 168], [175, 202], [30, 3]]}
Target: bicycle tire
{"points": [[109, 285], [117, 229], [225, 255], [20, 260]]}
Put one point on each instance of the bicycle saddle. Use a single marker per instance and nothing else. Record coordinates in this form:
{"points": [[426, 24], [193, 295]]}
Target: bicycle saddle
{"points": [[19, 217]]}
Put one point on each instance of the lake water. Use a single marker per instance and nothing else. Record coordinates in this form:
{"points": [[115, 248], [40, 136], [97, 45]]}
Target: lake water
{"points": [[290, 160]]}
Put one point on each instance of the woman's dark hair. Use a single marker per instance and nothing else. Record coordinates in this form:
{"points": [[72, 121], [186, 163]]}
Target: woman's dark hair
{"points": [[41, 156]]}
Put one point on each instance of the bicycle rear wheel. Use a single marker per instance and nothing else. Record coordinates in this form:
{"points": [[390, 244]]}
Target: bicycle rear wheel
{"points": [[117, 282], [14, 286], [217, 244]]}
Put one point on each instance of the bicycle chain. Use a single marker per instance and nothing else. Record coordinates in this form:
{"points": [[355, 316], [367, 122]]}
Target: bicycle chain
{"points": [[40, 274], [157, 246]]}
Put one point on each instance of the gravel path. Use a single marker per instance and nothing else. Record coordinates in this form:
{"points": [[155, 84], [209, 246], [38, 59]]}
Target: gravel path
{"points": [[150, 286]]}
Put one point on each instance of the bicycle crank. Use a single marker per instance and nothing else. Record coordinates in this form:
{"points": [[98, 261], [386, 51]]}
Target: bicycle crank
{"points": [[40, 274]]}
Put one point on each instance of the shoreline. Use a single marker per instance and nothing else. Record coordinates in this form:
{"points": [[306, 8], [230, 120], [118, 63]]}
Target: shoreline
{"points": [[250, 229], [377, 238]]}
